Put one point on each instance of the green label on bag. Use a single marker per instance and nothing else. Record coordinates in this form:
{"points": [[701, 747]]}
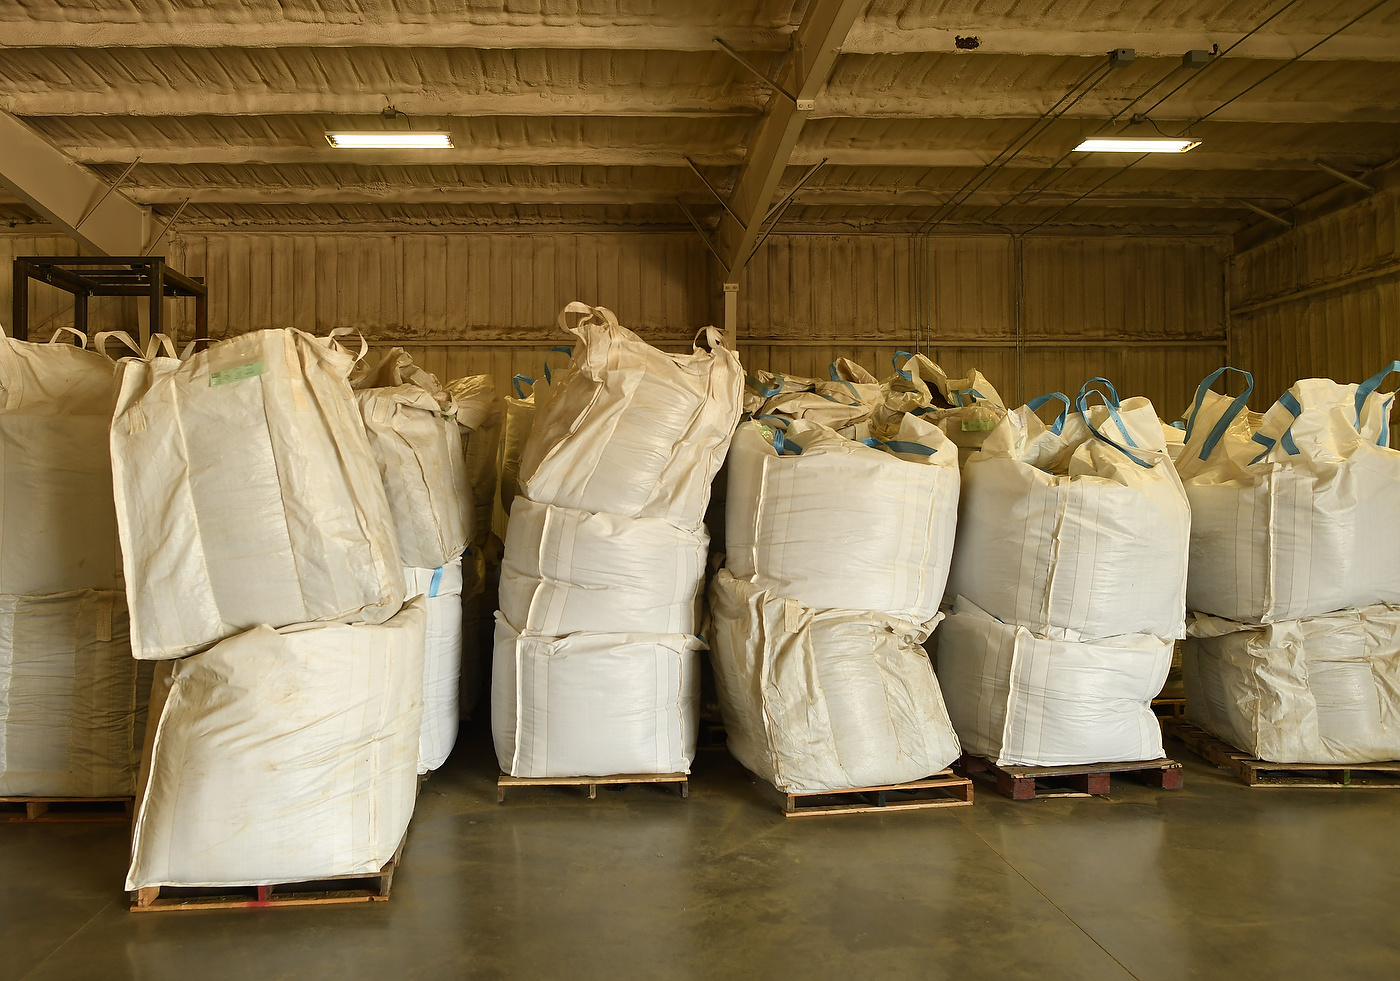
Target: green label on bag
{"points": [[978, 425], [217, 378]]}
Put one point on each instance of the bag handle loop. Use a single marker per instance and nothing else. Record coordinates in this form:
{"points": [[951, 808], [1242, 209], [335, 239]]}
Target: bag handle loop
{"points": [[1058, 426], [1236, 407]]}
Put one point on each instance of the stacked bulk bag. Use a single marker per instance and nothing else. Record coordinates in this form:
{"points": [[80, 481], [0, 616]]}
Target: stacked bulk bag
{"points": [[414, 437], [596, 668], [1293, 647], [69, 689], [284, 756], [1069, 583], [257, 534], [519, 421], [247, 493], [837, 556], [966, 409]]}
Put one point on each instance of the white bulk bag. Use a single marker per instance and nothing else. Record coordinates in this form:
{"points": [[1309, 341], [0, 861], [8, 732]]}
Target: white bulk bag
{"points": [[594, 704], [1070, 536], [419, 453], [847, 416], [441, 591], [1021, 700], [284, 756], [1318, 690], [247, 494], [1295, 514], [478, 414], [634, 431], [839, 525], [519, 417], [68, 696], [831, 700], [566, 571], [58, 529], [760, 386]]}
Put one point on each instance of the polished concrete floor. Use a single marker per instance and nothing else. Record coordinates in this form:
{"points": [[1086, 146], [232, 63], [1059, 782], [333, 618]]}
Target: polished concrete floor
{"points": [[1213, 881]]}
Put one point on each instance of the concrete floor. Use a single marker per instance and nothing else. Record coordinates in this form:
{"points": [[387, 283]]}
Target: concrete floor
{"points": [[1214, 881]]}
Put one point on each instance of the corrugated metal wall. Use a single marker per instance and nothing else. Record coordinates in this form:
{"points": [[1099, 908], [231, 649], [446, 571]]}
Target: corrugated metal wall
{"points": [[1146, 312], [1323, 300]]}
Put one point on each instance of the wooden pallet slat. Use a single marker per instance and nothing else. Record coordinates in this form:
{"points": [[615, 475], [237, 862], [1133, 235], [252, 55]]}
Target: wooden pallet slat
{"points": [[1255, 772], [1080, 780], [942, 789], [679, 780], [329, 891], [57, 810]]}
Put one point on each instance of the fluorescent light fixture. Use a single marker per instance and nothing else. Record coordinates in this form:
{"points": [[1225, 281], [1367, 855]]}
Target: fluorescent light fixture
{"points": [[1139, 145], [390, 140]]}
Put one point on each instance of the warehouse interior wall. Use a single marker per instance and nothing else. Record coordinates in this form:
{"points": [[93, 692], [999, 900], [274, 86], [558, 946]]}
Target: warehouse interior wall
{"points": [[1147, 312], [1320, 301]]}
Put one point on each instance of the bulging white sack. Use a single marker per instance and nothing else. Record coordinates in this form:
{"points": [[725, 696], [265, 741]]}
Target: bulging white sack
{"points": [[58, 529], [419, 452], [842, 525], [68, 696], [247, 494], [830, 700], [1069, 536], [1317, 690], [594, 704], [634, 431], [284, 756], [441, 590], [1021, 700], [478, 414], [1295, 514], [566, 571]]}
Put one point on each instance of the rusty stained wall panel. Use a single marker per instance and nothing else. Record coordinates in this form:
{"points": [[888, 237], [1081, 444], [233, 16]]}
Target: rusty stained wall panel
{"points": [[1346, 326], [1146, 312]]}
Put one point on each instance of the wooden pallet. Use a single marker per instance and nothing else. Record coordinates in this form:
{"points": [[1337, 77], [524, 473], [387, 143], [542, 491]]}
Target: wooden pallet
{"points": [[1083, 780], [331, 891], [943, 789], [1259, 773], [1169, 708], [592, 783], [44, 810]]}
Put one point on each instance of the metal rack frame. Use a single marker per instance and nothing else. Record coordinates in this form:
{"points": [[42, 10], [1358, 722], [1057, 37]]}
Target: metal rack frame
{"points": [[88, 276]]}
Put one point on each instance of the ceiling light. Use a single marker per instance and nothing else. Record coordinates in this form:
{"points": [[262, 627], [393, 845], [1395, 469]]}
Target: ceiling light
{"points": [[1139, 145], [390, 140]]}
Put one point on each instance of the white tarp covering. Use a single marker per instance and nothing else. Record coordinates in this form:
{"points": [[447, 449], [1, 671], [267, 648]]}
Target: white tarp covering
{"points": [[837, 524], [1069, 536], [1296, 513], [828, 700], [283, 756], [1018, 699], [566, 571], [419, 452], [594, 704], [68, 696], [58, 529], [634, 431], [441, 590], [247, 493], [1317, 690]]}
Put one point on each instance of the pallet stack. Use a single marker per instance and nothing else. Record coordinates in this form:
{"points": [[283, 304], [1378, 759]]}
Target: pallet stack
{"points": [[69, 690], [596, 670], [263, 573], [1293, 653], [1068, 586]]}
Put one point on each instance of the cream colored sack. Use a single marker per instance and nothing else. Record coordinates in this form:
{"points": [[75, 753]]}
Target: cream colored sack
{"points": [[594, 704], [1319, 690], [566, 571], [419, 452], [284, 756], [58, 529], [441, 592], [479, 426], [68, 696], [1017, 699], [825, 701], [635, 431], [1071, 536], [247, 494], [840, 525]]}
